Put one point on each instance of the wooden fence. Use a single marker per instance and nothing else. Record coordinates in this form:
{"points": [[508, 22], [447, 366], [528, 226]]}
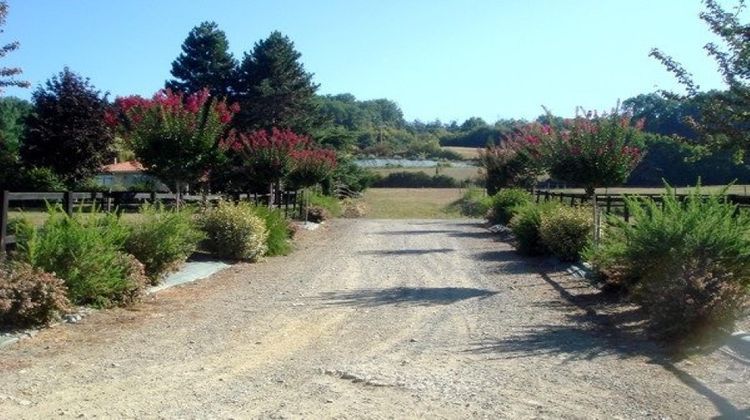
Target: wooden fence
{"points": [[615, 203], [290, 202]]}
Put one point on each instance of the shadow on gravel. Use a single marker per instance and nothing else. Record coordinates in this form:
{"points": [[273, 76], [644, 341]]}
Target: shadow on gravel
{"points": [[397, 252], [413, 232], [594, 334], [404, 296]]}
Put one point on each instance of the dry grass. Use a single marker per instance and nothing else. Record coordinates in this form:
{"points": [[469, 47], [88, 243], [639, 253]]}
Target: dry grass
{"points": [[467, 153], [38, 217], [412, 203], [460, 174]]}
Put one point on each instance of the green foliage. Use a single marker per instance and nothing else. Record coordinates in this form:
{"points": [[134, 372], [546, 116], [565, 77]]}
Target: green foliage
{"points": [[7, 73], [566, 231], [234, 231], [526, 224], [273, 88], [350, 175], [38, 179], [415, 180], [330, 204], [724, 116], [175, 137], [279, 231], [514, 163], [687, 264], [13, 111], [592, 150], [29, 296], [66, 131], [162, 239], [475, 203], [506, 203], [85, 251], [205, 62]]}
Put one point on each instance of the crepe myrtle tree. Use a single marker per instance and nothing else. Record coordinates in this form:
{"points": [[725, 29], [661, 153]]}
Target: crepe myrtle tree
{"points": [[175, 137], [514, 162], [593, 150], [264, 159]]}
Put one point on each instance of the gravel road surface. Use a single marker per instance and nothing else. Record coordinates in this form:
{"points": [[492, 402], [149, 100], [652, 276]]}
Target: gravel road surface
{"points": [[370, 319]]}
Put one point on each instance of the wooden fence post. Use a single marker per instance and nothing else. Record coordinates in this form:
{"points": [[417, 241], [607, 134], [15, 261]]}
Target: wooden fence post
{"points": [[68, 202], [4, 204]]}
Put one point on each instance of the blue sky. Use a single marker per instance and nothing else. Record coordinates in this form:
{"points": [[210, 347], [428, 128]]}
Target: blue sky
{"points": [[436, 59]]}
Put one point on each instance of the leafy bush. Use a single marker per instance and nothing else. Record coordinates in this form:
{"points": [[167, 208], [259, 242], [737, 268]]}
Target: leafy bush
{"points": [[352, 208], [39, 179], [565, 231], [234, 231], [331, 206], [475, 203], [687, 263], [415, 180], [525, 225], [29, 296], [506, 203], [162, 239], [85, 251], [279, 231]]}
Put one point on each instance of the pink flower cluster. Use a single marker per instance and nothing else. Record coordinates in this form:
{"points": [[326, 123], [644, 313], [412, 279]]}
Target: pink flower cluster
{"points": [[133, 107], [282, 140]]}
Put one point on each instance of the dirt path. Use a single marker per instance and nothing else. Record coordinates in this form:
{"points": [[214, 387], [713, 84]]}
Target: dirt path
{"points": [[374, 319]]}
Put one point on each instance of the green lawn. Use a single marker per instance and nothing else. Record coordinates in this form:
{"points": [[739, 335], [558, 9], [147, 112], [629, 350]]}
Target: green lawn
{"points": [[412, 203]]}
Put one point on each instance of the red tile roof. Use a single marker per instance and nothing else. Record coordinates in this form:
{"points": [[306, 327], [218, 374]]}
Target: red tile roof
{"points": [[129, 166]]}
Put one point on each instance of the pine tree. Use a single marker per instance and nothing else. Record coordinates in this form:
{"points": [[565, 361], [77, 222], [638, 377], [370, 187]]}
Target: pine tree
{"points": [[273, 88], [66, 130], [205, 62], [7, 73]]}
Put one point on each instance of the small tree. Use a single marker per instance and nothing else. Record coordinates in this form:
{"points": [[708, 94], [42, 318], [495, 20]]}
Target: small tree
{"points": [[515, 162], [311, 167], [263, 157], [592, 150], [205, 62], [175, 137], [7, 73], [66, 130]]}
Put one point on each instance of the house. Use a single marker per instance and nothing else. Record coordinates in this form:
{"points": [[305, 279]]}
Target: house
{"points": [[128, 175]]}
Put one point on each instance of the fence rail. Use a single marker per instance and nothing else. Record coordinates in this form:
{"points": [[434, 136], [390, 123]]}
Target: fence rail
{"points": [[615, 203], [290, 202]]}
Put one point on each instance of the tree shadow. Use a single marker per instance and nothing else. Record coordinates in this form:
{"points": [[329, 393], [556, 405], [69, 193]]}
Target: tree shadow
{"points": [[398, 252], [590, 334], [404, 296]]}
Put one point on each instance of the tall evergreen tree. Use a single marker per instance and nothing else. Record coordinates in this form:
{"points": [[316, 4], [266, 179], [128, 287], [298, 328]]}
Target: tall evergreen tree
{"points": [[66, 130], [7, 73], [205, 62], [273, 88]]}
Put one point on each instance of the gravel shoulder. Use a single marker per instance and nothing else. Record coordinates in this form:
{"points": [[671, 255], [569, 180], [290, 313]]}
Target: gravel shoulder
{"points": [[370, 319]]}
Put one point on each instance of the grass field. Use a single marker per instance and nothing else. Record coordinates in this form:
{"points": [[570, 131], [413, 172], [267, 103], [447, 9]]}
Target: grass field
{"points": [[467, 153], [412, 203], [459, 174]]}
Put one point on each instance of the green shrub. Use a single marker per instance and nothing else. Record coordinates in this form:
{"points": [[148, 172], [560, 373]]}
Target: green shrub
{"points": [[330, 205], [85, 250], [475, 203], [29, 296], [565, 231], [39, 179], [279, 231], [162, 239], [688, 262], [506, 203], [234, 231], [525, 226]]}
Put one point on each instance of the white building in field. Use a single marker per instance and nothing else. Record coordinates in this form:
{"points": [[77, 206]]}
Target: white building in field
{"points": [[126, 175]]}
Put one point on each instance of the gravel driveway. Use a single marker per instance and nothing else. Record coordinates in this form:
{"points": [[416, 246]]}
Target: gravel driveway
{"points": [[373, 319]]}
